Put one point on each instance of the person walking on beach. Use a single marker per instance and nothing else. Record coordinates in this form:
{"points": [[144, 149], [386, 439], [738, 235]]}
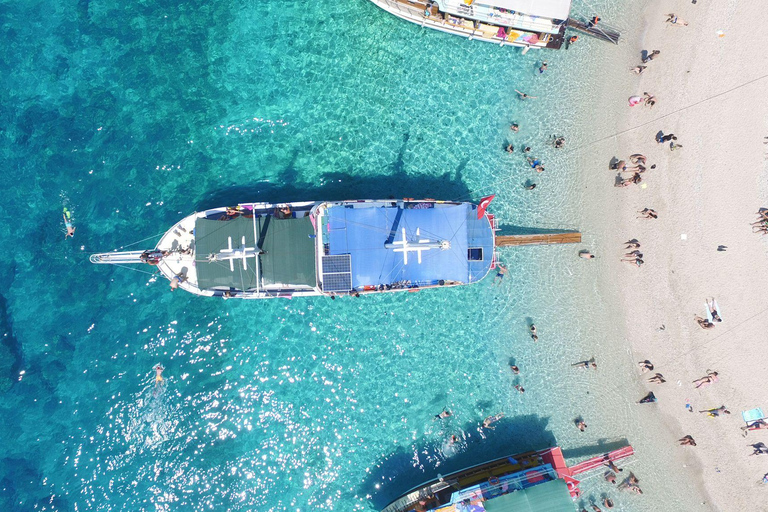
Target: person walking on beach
{"points": [[524, 96], [650, 56], [632, 244], [645, 366]]}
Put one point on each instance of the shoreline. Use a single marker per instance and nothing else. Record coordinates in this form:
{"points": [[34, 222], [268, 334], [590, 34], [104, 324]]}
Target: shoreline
{"points": [[704, 200]]}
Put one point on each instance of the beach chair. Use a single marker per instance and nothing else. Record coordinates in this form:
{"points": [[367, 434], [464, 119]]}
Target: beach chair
{"points": [[753, 415]]}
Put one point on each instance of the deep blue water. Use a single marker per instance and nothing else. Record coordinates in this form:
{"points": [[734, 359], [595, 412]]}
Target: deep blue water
{"points": [[135, 114]]}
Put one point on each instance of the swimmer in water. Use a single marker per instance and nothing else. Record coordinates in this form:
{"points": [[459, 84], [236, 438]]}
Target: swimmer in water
{"points": [[158, 374], [445, 414], [68, 224]]}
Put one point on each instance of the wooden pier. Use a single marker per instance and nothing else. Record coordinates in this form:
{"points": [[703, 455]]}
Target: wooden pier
{"points": [[538, 239], [600, 31]]}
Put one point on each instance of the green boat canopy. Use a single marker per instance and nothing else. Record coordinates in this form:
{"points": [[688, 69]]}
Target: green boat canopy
{"points": [[287, 259], [547, 497]]}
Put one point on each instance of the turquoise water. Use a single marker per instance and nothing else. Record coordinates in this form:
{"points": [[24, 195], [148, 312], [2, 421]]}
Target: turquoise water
{"points": [[133, 115]]}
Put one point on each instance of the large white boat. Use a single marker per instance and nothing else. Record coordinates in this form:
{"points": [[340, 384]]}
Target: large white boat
{"points": [[263, 250], [525, 23]]}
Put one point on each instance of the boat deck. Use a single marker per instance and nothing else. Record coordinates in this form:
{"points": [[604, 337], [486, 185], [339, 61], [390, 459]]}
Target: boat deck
{"points": [[179, 243]]}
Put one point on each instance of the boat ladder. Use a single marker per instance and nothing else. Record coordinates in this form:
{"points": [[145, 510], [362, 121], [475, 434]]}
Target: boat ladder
{"points": [[117, 258]]}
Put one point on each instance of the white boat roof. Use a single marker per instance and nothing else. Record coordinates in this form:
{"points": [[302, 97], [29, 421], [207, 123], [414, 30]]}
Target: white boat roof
{"points": [[556, 9]]}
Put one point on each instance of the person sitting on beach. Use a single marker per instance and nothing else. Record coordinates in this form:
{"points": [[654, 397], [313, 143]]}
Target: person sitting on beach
{"points": [[444, 414], [637, 158], [524, 96], [649, 99], [703, 322], [714, 413], [648, 399], [674, 20], [638, 168], [500, 273], [713, 310], [610, 477], [648, 213], [636, 253], [490, 420], [657, 379], [759, 448], [638, 70], [645, 366], [586, 254], [687, 441], [632, 244], [589, 363], [710, 378], [580, 424]]}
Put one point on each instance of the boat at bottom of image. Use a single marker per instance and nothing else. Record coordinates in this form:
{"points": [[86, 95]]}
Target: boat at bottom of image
{"points": [[536, 480], [265, 250]]}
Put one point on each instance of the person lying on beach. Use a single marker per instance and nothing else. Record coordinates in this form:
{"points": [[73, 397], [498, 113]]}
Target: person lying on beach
{"points": [[610, 477], [687, 441], [490, 420], [525, 96], [756, 425], [634, 260], [710, 378], [636, 179], [760, 229], [580, 424], [635, 253], [649, 99], [607, 503], [637, 158], [648, 213], [648, 399], [444, 414], [586, 254], [759, 448], [632, 244], [620, 166], [713, 310], [639, 168], [714, 413], [612, 466], [638, 70], [645, 366], [703, 322], [589, 363], [674, 20], [650, 56], [657, 379]]}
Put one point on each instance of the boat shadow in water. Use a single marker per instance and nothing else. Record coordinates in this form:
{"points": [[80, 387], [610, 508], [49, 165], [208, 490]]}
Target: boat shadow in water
{"points": [[340, 185], [407, 467], [593, 450]]}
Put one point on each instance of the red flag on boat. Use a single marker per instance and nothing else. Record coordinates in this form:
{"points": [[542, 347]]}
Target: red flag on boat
{"points": [[484, 202]]}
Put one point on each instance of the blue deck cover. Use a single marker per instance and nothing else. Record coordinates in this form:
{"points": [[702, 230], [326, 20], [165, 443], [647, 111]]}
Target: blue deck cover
{"points": [[362, 232]]}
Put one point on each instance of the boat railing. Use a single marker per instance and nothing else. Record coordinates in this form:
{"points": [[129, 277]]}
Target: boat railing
{"points": [[117, 258]]}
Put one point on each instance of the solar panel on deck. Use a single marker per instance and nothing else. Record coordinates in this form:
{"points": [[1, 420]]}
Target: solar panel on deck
{"points": [[337, 273]]}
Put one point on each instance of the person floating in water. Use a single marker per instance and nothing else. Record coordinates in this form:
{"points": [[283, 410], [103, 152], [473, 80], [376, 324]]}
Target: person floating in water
{"points": [[68, 223], [444, 414], [158, 374]]}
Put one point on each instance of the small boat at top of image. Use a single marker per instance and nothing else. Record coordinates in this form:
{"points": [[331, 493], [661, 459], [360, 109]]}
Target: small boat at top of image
{"points": [[523, 23], [264, 250]]}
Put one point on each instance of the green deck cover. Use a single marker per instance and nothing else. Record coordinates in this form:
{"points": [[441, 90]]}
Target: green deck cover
{"points": [[288, 259], [289, 246], [547, 497]]}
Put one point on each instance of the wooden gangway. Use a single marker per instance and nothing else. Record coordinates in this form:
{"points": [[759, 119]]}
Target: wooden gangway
{"points": [[538, 239], [600, 31]]}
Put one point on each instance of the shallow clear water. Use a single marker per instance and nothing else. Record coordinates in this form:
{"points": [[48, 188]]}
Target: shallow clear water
{"points": [[133, 115]]}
